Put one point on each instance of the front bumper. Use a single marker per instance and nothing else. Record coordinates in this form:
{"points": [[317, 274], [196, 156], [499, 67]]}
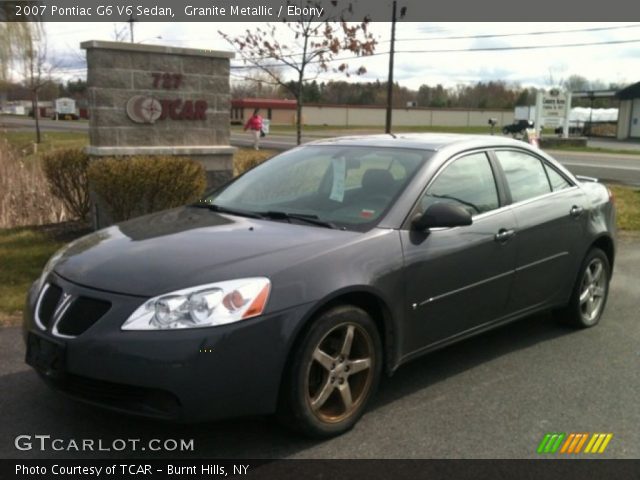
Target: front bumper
{"points": [[184, 375]]}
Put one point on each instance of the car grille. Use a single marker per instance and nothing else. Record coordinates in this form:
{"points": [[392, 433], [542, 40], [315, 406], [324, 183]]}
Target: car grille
{"points": [[81, 315], [50, 299], [68, 315]]}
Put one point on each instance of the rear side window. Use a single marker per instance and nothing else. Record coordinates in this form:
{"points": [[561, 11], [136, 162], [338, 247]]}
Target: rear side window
{"points": [[525, 174], [557, 181], [467, 182]]}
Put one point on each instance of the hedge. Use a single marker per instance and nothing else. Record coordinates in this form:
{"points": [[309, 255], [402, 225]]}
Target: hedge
{"points": [[66, 174], [134, 186]]}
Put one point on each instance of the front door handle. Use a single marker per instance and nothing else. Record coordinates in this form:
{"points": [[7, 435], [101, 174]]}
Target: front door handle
{"points": [[503, 235], [576, 211]]}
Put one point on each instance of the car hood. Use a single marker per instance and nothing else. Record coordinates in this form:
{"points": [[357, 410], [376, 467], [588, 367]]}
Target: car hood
{"points": [[190, 246]]}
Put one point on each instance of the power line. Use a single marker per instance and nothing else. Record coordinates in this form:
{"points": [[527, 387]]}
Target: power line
{"points": [[523, 47], [461, 37], [460, 50], [499, 35], [502, 35]]}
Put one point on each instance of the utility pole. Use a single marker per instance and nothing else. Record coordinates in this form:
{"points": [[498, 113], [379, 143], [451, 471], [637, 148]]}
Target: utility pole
{"points": [[591, 97], [387, 128], [131, 20]]}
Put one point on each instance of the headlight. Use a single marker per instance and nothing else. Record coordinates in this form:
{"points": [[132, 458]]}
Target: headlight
{"points": [[203, 306]]}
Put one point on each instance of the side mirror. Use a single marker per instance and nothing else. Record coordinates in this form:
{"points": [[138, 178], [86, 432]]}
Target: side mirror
{"points": [[440, 215]]}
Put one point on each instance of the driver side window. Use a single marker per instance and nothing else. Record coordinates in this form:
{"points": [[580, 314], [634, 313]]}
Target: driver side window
{"points": [[467, 182]]}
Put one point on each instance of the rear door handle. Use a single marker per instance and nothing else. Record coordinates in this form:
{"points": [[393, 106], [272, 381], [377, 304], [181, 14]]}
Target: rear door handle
{"points": [[503, 235], [576, 211]]}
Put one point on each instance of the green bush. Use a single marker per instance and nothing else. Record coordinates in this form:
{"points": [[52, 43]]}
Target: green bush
{"points": [[245, 159], [134, 186], [66, 174]]}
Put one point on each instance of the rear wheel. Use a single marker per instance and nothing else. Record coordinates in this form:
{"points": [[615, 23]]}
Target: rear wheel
{"points": [[335, 371], [590, 292]]}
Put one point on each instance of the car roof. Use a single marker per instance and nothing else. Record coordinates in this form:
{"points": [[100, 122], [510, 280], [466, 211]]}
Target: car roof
{"points": [[423, 141]]}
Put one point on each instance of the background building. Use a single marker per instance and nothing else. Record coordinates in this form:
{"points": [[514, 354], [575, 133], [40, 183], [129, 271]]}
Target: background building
{"points": [[283, 112], [629, 112]]}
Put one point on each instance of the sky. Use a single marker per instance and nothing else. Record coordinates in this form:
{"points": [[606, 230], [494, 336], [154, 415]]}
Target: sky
{"points": [[611, 63]]}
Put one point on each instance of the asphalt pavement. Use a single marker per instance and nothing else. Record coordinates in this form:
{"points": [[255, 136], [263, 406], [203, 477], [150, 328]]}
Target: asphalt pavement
{"points": [[493, 396]]}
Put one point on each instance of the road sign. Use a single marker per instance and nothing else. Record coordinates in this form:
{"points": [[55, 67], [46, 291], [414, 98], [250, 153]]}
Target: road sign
{"points": [[552, 109]]}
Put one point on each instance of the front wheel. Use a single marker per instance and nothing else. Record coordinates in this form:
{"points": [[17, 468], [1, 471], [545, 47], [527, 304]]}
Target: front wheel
{"points": [[335, 371], [590, 291]]}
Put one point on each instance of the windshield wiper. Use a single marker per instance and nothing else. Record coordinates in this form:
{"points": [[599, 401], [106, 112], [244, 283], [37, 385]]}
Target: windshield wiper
{"points": [[230, 211], [312, 219]]}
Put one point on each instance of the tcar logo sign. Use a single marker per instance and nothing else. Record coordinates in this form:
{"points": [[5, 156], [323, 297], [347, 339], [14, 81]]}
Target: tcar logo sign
{"points": [[142, 109], [145, 109], [148, 109]]}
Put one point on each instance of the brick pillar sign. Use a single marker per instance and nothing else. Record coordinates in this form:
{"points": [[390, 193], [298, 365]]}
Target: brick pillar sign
{"points": [[158, 100]]}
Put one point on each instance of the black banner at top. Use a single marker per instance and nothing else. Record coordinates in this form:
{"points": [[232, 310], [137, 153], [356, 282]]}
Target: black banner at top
{"points": [[316, 10]]}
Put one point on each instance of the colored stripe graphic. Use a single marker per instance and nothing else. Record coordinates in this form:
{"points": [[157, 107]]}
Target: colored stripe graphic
{"points": [[550, 443], [568, 442], [583, 439], [576, 439], [598, 443], [573, 443]]}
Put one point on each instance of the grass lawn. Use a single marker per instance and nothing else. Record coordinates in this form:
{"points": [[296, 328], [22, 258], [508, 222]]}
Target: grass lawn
{"points": [[628, 207], [23, 254], [23, 141]]}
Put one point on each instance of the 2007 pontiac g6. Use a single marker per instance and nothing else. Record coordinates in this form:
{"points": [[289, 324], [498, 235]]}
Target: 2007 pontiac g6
{"points": [[292, 288]]}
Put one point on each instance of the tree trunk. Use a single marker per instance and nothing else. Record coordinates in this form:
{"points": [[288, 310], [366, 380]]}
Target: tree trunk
{"points": [[299, 120], [36, 116], [299, 108]]}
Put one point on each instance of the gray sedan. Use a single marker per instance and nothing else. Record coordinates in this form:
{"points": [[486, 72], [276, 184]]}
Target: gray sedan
{"points": [[291, 289]]}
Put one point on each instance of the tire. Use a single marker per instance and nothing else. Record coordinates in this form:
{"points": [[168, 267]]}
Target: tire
{"points": [[505, 131], [590, 292], [321, 378]]}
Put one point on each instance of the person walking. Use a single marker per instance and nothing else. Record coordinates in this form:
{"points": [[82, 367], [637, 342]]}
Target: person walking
{"points": [[255, 125]]}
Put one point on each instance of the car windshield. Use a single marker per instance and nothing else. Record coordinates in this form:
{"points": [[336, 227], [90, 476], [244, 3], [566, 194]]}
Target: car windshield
{"points": [[335, 186]]}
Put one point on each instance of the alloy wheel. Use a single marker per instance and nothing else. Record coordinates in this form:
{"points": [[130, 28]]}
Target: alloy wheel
{"points": [[593, 291], [340, 374]]}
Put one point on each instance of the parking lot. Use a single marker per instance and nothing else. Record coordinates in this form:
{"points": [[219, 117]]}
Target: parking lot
{"points": [[494, 396]]}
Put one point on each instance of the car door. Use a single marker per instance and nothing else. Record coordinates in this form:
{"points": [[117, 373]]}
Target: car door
{"points": [[550, 216], [458, 279]]}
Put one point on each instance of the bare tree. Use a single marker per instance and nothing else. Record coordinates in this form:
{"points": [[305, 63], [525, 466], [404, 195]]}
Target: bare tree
{"points": [[13, 38], [316, 44], [37, 70], [119, 33], [256, 84]]}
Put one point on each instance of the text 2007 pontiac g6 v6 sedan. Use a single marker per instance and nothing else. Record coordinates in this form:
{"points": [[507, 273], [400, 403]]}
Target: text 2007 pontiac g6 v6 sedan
{"points": [[292, 288]]}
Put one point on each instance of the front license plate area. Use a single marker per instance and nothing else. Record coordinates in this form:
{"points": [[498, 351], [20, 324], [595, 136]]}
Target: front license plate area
{"points": [[46, 356]]}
